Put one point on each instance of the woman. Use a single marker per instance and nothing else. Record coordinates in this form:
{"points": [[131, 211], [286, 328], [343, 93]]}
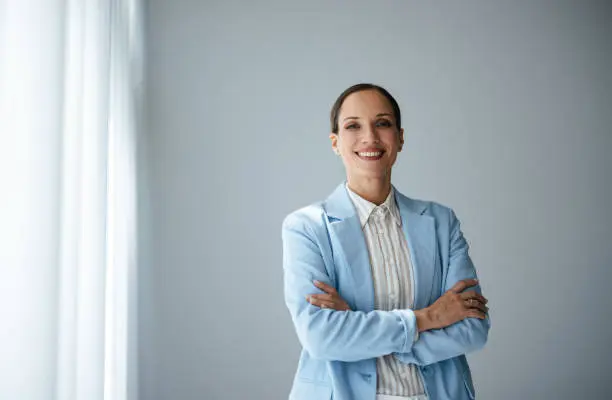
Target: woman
{"points": [[380, 287]]}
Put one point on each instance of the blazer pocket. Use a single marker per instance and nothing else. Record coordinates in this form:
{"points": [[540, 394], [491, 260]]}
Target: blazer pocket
{"points": [[309, 390]]}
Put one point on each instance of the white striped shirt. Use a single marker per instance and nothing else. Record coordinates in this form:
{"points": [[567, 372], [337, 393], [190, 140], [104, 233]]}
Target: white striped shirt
{"points": [[393, 283]]}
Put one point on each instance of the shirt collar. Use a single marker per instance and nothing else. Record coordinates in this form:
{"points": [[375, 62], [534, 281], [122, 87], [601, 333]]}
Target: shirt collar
{"points": [[364, 207]]}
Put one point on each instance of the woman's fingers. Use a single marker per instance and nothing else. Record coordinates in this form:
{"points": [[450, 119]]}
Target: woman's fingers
{"points": [[463, 284], [325, 304], [327, 301], [474, 313], [318, 299], [323, 297], [474, 300], [476, 304], [472, 294], [324, 287]]}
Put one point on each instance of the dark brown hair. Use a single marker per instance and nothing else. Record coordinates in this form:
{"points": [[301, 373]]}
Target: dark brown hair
{"points": [[335, 111]]}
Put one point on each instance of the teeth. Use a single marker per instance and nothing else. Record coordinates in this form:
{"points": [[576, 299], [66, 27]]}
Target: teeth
{"points": [[370, 154]]}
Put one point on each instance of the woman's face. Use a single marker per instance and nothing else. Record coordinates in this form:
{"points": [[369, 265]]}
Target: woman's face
{"points": [[368, 138]]}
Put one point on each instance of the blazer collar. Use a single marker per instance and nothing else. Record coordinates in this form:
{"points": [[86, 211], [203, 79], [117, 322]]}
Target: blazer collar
{"points": [[365, 208], [419, 230], [339, 205]]}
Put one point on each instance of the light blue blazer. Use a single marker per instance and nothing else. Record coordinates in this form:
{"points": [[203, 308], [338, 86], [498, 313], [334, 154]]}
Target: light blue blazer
{"points": [[324, 241]]}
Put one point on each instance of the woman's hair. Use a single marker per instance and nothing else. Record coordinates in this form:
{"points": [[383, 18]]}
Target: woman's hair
{"points": [[335, 111]]}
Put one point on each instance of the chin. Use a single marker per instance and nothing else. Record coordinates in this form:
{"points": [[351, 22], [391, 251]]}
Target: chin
{"points": [[372, 174]]}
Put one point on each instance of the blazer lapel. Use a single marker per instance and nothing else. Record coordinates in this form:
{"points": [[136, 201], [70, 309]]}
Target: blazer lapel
{"points": [[345, 229], [420, 232]]}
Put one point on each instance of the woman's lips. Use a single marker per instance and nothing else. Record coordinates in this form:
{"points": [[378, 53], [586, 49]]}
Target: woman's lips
{"points": [[370, 157]]}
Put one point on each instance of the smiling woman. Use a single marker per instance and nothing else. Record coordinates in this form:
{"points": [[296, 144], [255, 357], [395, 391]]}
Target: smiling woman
{"points": [[366, 133], [381, 288]]}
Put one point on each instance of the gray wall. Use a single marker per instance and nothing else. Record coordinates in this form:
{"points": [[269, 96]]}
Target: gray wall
{"points": [[507, 110]]}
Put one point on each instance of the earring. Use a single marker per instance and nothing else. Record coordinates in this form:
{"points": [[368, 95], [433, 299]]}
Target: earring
{"points": [[337, 152]]}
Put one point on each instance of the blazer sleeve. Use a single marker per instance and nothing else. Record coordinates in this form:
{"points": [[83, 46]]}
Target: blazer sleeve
{"points": [[464, 336], [329, 334]]}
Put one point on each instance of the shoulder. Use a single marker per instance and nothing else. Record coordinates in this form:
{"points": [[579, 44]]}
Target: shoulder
{"points": [[441, 213], [439, 210], [425, 207], [305, 218]]}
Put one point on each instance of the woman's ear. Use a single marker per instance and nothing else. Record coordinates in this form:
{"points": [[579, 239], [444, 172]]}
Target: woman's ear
{"points": [[334, 142], [401, 139]]}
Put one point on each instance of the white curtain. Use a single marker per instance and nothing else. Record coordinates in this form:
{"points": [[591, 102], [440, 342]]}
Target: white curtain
{"points": [[70, 95]]}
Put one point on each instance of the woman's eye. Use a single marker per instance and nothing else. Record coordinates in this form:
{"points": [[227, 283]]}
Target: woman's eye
{"points": [[384, 123], [352, 126]]}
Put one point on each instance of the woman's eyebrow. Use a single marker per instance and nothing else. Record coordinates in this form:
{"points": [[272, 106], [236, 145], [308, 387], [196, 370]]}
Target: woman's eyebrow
{"points": [[377, 115]]}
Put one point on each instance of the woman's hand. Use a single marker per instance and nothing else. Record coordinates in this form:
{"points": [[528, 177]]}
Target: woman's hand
{"points": [[329, 299], [453, 306]]}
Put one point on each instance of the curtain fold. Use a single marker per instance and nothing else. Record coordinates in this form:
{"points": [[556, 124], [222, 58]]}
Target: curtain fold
{"points": [[71, 86]]}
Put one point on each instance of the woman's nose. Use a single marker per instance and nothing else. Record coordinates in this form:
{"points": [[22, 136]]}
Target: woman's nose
{"points": [[370, 134]]}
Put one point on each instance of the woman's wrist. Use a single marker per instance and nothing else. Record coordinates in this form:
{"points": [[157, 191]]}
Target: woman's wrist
{"points": [[423, 319]]}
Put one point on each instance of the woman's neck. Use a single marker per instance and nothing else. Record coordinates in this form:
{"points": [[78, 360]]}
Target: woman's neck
{"points": [[374, 190]]}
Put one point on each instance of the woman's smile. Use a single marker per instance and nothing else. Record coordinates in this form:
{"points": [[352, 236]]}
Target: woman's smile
{"points": [[370, 155]]}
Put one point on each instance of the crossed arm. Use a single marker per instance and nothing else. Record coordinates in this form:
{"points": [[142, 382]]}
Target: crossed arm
{"points": [[455, 324], [328, 334]]}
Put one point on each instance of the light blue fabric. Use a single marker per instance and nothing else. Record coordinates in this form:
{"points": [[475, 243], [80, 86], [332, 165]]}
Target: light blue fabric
{"points": [[324, 241], [387, 397]]}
